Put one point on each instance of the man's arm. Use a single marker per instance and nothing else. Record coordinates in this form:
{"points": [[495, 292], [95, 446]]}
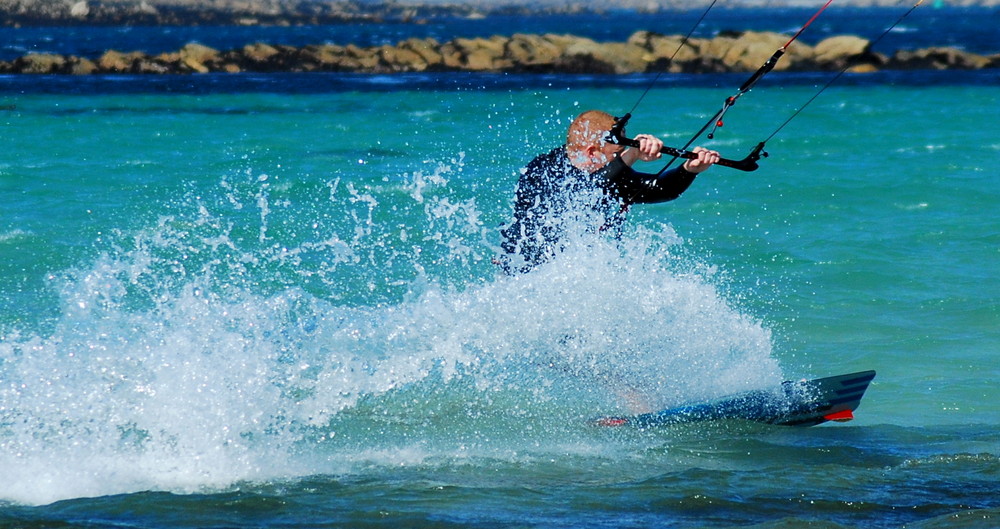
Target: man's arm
{"points": [[634, 187], [649, 150]]}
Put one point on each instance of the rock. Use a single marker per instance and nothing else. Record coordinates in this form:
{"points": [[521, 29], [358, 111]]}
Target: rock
{"points": [[582, 55], [81, 66], [585, 63], [715, 48], [157, 65], [531, 52], [836, 53], [834, 48], [259, 52], [798, 54], [482, 59], [117, 62], [938, 59], [258, 57], [39, 63], [360, 59], [198, 57], [611, 57], [562, 41], [750, 50], [643, 52], [663, 52], [451, 57], [705, 64], [399, 59], [262, 57], [324, 57], [626, 57], [477, 54], [427, 49]]}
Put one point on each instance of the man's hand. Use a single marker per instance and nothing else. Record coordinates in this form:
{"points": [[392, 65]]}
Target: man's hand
{"points": [[647, 151], [705, 159], [649, 147]]}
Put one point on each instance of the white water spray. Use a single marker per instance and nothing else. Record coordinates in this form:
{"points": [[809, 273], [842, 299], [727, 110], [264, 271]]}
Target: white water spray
{"points": [[235, 341]]}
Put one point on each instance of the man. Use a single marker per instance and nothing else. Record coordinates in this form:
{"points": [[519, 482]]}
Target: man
{"points": [[587, 181]]}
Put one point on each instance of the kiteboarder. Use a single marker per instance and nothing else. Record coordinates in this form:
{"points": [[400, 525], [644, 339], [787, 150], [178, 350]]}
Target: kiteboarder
{"points": [[588, 179]]}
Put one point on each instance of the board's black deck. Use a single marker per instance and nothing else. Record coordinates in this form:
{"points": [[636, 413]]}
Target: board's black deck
{"points": [[802, 403]]}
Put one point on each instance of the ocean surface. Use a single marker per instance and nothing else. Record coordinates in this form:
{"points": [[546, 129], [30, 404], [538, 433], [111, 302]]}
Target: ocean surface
{"points": [[252, 301]]}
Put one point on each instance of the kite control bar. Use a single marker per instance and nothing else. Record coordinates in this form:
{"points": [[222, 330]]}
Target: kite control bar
{"points": [[747, 164]]}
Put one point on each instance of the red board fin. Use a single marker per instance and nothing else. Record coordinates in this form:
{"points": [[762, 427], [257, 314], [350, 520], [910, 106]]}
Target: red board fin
{"points": [[840, 416]]}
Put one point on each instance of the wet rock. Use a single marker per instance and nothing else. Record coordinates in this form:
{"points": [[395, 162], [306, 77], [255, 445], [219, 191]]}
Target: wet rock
{"points": [[641, 52], [751, 49], [259, 53], [323, 58], [161, 64], [665, 52], [582, 63], [532, 52], [40, 63], [114, 61], [938, 59], [625, 57], [837, 53], [587, 56], [477, 54], [80, 66], [835, 48], [426, 49], [357, 59], [258, 57], [400, 59], [198, 58]]}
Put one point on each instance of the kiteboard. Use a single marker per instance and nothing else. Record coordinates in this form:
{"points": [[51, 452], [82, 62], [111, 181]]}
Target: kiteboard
{"points": [[799, 403]]}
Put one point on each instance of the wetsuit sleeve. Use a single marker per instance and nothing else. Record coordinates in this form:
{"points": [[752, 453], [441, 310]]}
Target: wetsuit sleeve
{"points": [[634, 187]]}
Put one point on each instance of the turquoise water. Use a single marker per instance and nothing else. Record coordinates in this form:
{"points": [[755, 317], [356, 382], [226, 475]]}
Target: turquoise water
{"points": [[276, 307]]}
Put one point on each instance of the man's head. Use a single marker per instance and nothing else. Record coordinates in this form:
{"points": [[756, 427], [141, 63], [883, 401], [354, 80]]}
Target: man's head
{"points": [[586, 142]]}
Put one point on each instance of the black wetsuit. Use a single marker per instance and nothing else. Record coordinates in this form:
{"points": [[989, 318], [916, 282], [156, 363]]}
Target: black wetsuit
{"points": [[551, 188]]}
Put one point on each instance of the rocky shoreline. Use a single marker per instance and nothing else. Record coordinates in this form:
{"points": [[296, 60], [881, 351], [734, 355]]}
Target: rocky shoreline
{"points": [[521, 53]]}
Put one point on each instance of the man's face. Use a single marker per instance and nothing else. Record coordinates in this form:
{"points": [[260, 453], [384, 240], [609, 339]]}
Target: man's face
{"points": [[587, 145]]}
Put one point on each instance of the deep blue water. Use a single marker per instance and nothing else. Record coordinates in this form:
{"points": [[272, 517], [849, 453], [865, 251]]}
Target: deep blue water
{"points": [[317, 83]]}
